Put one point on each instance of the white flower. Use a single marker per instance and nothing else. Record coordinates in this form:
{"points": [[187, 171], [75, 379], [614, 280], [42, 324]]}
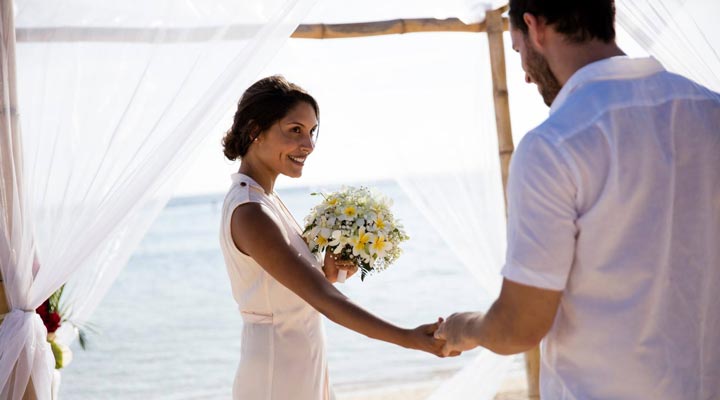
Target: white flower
{"points": [[338, 241]]}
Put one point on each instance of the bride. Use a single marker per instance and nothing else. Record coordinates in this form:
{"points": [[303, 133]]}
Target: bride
{"points": [[282, 288]]}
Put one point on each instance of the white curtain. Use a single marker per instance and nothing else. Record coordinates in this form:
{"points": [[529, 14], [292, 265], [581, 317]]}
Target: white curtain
{"points": [[463, 200], [113, 98], [22, 336], [682, 34]]}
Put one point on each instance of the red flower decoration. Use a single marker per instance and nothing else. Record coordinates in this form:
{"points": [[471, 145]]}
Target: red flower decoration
{"points": [[51, 320]]}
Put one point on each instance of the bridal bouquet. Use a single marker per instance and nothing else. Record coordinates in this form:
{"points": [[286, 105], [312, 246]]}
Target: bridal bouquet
{"points": [[355, 224]]}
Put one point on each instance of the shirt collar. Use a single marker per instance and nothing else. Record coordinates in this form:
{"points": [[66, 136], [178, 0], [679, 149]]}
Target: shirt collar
{"points": [[620, 67]]}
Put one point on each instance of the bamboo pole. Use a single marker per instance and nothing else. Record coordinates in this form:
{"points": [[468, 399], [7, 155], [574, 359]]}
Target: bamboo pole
{"points": [[500, 94], [495, 31], [391, 27]]}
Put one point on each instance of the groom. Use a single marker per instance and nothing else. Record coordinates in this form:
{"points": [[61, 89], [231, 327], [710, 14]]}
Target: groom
{"points": [[613, 253]]}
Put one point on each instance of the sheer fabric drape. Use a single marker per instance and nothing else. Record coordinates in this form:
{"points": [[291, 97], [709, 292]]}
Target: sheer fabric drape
{"points": [[682, 35], [113, 98]]}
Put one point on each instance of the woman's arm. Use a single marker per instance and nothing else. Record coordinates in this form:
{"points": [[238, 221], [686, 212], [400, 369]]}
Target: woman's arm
{"points": [[257, 235]]}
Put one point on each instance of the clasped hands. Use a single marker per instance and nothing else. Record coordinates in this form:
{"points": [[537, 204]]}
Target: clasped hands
{"points": [[451, 336], [459, 333]]}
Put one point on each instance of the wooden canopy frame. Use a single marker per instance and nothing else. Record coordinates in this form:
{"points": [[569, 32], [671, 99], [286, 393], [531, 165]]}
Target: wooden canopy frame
{"points": [[494, 25]]}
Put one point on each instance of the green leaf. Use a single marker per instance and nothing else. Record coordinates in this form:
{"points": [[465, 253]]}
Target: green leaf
{"points": [[82, 339], [54, 300]]}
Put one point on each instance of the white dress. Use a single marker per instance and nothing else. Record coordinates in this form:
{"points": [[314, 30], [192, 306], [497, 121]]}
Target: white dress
{"points": [[283, 340]]}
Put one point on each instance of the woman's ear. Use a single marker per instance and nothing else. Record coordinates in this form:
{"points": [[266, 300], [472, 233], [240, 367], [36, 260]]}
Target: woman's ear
{"points": [[253, 131]]}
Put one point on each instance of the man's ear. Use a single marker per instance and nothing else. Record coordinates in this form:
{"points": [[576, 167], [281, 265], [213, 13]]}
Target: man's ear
{"points": [[536, 31]]}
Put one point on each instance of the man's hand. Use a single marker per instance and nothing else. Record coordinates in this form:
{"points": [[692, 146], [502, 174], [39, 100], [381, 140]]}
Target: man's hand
{"points": [[458, 332]]}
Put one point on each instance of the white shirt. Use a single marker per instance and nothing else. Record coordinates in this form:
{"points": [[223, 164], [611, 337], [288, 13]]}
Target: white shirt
{"points": [[615, 200]]}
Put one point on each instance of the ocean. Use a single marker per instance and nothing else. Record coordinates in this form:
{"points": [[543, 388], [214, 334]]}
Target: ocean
{"points": [[169, 328]]}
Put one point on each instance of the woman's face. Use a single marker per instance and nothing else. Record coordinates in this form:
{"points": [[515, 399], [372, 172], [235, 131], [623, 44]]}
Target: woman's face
{"points": [[285, 146]]}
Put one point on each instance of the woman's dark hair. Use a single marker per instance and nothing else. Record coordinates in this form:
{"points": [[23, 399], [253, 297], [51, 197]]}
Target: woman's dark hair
{"points": [[262, 105], [578, 20]]}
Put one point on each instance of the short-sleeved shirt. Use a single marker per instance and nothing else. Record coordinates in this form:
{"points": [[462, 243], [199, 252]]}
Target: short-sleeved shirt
{"points": [[615, 200]]}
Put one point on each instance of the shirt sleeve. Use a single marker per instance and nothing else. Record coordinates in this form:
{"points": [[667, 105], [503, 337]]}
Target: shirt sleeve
{"points": [[541, 215]]}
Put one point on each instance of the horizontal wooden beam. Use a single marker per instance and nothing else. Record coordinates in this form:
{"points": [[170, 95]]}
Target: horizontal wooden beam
{"points": [[391, 27]]}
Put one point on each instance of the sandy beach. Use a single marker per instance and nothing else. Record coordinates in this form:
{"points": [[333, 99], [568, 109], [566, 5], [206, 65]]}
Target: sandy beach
{"points": [[513, 388]]}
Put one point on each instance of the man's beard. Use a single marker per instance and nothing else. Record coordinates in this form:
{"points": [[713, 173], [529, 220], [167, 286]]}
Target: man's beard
{"points": [[541, 75]]}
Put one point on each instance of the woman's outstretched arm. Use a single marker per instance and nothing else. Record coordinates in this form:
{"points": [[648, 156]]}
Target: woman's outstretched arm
{"points": [[256, 234]]}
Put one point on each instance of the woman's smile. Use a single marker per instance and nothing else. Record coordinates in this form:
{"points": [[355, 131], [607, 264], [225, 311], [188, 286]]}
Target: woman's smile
{"points": [[300, 160]]}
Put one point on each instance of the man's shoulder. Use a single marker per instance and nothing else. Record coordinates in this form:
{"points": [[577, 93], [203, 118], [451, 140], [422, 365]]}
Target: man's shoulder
{"points": [[542, 142], [596, 100], [612, 94]]}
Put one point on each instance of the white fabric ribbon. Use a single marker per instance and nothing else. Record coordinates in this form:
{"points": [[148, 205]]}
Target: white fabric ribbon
{"points": [[25, 339]]}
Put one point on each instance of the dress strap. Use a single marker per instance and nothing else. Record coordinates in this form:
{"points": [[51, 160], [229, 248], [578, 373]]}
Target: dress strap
{"points": [[288, 214]]}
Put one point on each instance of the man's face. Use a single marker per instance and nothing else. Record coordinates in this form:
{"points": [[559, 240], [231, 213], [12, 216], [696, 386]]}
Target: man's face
{"points": [[536, 67]]}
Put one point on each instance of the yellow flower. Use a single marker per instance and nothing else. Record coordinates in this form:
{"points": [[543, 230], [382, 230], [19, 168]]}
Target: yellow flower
{"points": [[350, 211], [322, 241], [381, 246], [361, 240], [379, 222]]}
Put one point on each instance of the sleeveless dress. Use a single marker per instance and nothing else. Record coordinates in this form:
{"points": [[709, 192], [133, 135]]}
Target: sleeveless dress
{"points": [[282, 353]]}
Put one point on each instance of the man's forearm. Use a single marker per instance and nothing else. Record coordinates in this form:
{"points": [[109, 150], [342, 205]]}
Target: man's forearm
{"points": [[500, 331]]}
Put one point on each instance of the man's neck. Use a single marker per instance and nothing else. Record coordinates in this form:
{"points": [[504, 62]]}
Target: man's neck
{"points": [[568, 58]]}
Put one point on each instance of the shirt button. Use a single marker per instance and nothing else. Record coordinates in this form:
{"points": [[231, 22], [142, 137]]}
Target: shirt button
{"points": [[243, 184]]}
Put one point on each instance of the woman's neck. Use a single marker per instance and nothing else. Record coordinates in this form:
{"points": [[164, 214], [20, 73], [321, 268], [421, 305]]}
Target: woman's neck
{"points": [[262, 176]]}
